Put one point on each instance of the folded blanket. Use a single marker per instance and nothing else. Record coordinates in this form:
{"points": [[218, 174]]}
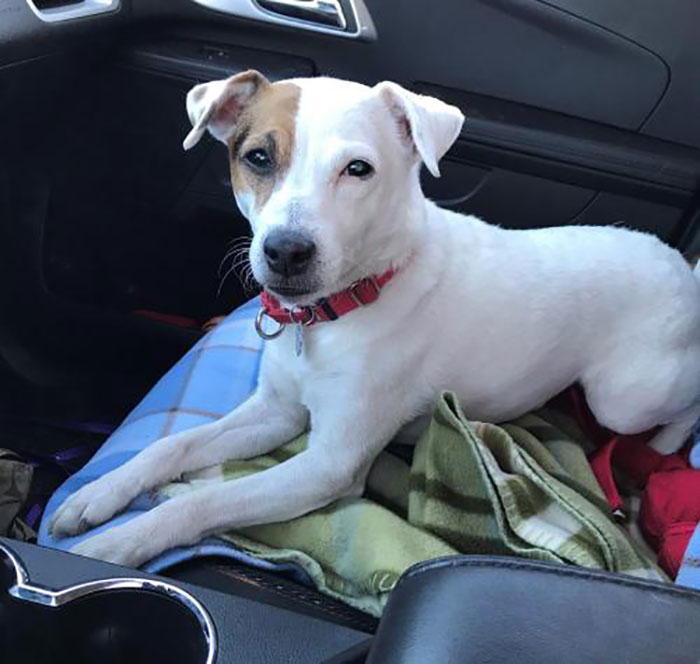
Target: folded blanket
{"points": [[522, 489]]}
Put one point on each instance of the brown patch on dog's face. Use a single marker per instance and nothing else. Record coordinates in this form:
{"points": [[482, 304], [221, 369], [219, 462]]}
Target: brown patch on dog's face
{"points": [[265, 131]]}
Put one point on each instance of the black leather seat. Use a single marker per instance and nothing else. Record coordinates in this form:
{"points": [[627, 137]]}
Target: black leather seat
{"points": [[505, 610]]}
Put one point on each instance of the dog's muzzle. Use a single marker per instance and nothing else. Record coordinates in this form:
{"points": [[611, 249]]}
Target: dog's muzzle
{"points": [[288, 253]]}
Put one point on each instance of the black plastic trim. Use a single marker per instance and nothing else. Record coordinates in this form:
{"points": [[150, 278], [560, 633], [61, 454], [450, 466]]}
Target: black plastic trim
{"points": [[202, 61], [688, 227], [523, 138]]}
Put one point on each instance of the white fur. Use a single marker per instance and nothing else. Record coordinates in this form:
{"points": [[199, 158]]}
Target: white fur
{"points": [[506, 319], [245, 202], [211, 106]]}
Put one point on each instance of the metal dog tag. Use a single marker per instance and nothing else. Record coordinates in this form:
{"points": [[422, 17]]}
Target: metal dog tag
{"points": [[298, 339]]}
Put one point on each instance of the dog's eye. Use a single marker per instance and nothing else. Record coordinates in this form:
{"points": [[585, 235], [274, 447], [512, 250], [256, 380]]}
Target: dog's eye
{"points": [[259, 159], [359, 169]]}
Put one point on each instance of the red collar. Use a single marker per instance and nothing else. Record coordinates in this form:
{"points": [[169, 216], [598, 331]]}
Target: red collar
{"points": [[360, 294]]}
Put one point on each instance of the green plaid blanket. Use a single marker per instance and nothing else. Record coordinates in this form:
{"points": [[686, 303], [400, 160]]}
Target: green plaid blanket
{"points": [[524, 489]]}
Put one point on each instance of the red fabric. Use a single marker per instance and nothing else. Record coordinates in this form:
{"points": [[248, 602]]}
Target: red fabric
{"points": [[632, 455], [639, 461], [671, 497], [602, 466], [670, 507], [573, 401], [171, 319], [360, 294]]}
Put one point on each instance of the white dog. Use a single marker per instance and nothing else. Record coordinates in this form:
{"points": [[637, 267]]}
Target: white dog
{"points": [[327, 173]]}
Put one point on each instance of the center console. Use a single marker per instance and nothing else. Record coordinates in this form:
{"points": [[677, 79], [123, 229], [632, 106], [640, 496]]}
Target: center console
{"points": [[57, 607]]}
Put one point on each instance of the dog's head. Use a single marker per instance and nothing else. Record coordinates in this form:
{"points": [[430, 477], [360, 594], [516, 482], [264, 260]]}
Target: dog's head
{"points": [[326, 171]]}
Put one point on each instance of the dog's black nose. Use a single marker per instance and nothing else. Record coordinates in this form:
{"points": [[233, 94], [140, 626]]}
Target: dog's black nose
{"points": [[288, 252]]}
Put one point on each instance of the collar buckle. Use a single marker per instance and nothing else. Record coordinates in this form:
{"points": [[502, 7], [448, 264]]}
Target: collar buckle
{"points": [[354, 292], [298, 310]]}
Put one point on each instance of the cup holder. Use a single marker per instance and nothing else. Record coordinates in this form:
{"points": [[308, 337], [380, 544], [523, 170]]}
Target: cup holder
{"points": [[118, 620]]}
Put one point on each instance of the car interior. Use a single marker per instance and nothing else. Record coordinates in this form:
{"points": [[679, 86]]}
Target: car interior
{"points": [[114, 258]]}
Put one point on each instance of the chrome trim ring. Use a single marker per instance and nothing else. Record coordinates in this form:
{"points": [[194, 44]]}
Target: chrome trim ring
{"points": [[25, 591]]}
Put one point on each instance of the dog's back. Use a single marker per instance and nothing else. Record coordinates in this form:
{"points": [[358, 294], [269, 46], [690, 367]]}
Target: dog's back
{"points": [[534, 311]]}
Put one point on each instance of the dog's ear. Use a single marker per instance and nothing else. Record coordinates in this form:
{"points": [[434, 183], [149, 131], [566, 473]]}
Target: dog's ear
{"points": [[431, 125], [217, 106]]}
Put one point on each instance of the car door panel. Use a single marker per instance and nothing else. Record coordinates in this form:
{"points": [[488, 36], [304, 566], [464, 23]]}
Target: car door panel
{"points": [[520, 50], [516, 164], [670, 30], [577, 112]]}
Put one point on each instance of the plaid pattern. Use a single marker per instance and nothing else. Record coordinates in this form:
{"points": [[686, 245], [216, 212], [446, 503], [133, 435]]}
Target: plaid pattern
{"points": [[216, 375], [521, 489]]}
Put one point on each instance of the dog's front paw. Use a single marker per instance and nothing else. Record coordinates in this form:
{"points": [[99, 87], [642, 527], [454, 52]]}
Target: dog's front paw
{"points": [[92, 505], [121, 545]]}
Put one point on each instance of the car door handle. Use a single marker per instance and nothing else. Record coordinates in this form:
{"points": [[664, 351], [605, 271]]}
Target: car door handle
{"points": [[346, 19], [322, 12]]}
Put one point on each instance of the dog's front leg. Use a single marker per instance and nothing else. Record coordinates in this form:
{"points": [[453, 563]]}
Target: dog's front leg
{"points": [[257, 426], [342, 447]]}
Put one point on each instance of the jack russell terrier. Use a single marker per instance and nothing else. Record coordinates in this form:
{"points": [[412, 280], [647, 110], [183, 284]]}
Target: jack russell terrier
{"points": [[381, 300]]}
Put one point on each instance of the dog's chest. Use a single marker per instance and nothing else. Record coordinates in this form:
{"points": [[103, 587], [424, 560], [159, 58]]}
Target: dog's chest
{"points": [[307, 356]]}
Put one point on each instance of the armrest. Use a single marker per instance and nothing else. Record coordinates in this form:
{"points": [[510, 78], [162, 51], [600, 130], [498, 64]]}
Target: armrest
{"points": [[482, 609]]}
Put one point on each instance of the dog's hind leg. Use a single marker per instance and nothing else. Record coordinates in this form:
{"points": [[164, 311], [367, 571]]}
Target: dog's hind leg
{"points": [[672, 436], [640, 390]]}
